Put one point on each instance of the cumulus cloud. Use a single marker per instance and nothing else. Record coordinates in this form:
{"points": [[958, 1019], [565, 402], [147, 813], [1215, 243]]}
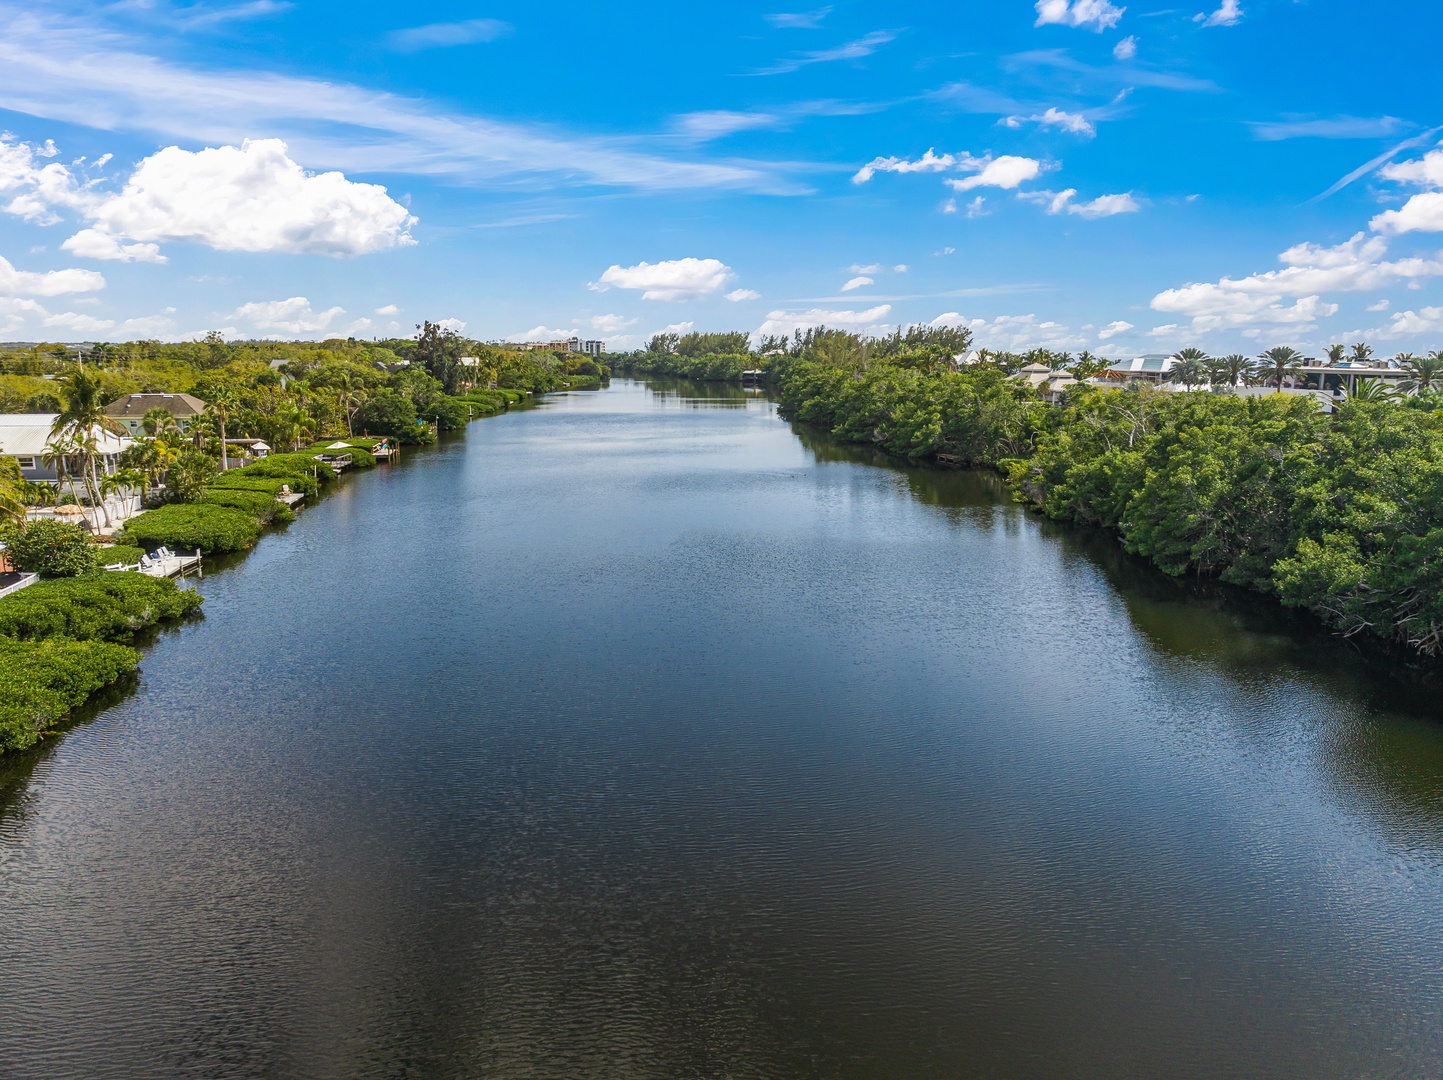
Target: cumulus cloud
{"points": [[1357, 265], [1007, 172], [440, 35], [611, 324], [870, 268], [94, 244], [736, 296], [1015, 332], [901, 268], [1126, 49], [674, 279], [294, 316], [1426, 171], [252, 198], [1230, 14], [784, 322], [1061, 202], [931, 161], [542, 333], [247, 198], [857, 283], [389, 309], [15, 282], [454, 325], [1381, 305], [1095, 15], [1113, 329], [976, 208], [1421, 213], [1055, 118], [1428, 320]]}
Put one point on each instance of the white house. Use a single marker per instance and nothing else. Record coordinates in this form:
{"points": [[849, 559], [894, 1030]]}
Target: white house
{"points": [[26, 437]]}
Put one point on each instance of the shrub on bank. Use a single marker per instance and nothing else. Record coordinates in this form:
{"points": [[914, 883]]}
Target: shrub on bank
{"points": [[120, 553], [271, 485], [261, 505], [285, 466], [186, 527], [50, 548], [40, 682], [102, 607]]}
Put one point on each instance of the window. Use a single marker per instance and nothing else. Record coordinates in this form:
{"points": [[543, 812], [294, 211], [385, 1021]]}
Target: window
{"points": [[25, 462]]}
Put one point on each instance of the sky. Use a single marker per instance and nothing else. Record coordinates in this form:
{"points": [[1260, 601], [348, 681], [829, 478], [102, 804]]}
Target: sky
{"points": [[1073, 174]]}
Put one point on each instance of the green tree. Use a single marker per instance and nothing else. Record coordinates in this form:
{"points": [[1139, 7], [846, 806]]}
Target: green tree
{"points": [[1279, 364], [1229, 370], [1424, 372], [51, 549]]}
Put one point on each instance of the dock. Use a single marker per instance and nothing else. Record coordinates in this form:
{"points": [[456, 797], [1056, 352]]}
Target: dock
{"points": [[164, 564]]}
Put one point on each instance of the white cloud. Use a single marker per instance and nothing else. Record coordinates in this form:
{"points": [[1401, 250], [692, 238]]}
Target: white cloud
{"points": [[78, 323], [454, 325], [784, 322], [1126, 49], [1097, 15], [293, 316], [931, 161], [389, 309], [440, 35], [1426, 171], [1421, 213], [145, 326], [950, 206], [536, 333], [611, 324], [1005, 172], [1015, 332], [1061, 202], [674, 279], [857, 283], [1229, 14], [678, 328], [1113, 329], [977, 207], [852, 50], [798, 20], [1381, 305], [901, 268], [252, 198], [1335, 127], [51, 283], [1357, 265], [94, 244], [871, 268], [1055, 118], [1428, 320], [58, 69], [736, 296]]}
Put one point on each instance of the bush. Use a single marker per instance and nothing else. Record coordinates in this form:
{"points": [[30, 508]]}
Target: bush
{"points": [[388, 413], [285, 466], [41, 682], [120, 553], [103, 607], [51, 549], [271, 485], [361, 458], [193, 526], [260, 505]]}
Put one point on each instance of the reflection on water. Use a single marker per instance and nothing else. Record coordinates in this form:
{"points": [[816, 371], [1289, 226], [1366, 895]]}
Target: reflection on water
{"points": [[633, 736]]}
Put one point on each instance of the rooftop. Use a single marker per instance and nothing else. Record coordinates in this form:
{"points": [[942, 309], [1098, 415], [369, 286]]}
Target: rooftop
{"points": [[134, 406]]}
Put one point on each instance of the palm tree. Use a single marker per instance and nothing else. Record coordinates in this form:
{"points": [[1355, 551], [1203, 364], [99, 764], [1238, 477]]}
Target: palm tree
{"points": [[158, 422], [222, 403], [1371, 390], [1361, 353], [1190, 372], [1277, 364], [1336, 354], [83, 419], [1424, 373], [1228, 370]]}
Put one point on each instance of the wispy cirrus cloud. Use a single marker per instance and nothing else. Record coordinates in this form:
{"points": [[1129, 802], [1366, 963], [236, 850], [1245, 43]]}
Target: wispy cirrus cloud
{"points": [[798, 20], [1328, 127], [852, 50], [719, 123], [444, 35], [1125, 74], [69, 70]]}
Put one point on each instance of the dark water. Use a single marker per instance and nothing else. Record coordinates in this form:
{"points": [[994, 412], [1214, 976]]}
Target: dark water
{"points": [[638, 735]]}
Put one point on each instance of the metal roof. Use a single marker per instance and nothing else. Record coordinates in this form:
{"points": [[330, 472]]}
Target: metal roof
{"points": [[28, 435]]}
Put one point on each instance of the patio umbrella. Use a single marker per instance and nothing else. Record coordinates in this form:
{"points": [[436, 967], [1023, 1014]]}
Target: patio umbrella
{"points": [[69, 510]]}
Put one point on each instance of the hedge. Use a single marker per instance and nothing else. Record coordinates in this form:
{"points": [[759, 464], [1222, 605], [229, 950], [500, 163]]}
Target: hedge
{"points": [[261, 505], [271, 485], [40, 682], [103, 607], [361, 458], [186, 527], [284, 466], [120, 553]]}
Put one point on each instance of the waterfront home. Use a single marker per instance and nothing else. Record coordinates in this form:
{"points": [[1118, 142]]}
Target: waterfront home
{"points": [[1056, 382], [27, 438], [242, 451], [1152, 367], [131, 409]]}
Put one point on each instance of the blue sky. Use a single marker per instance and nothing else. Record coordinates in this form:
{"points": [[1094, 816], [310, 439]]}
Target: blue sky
{"points": [[1074, 173]]}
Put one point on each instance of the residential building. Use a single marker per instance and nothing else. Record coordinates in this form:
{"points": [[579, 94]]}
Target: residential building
{"points": [[131, 409], [1152, 367], [570, 345], [26, 437]]}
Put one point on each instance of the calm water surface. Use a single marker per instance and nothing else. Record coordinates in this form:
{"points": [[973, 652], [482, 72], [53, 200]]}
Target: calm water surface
{"points": [[640, 735]]}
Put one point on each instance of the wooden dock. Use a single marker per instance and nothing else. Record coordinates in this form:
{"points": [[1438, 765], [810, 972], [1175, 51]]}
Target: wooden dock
{"points": [[164, 563]]}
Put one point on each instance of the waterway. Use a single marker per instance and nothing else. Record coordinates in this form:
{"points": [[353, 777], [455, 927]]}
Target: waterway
{"points": [[640, 734]]}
